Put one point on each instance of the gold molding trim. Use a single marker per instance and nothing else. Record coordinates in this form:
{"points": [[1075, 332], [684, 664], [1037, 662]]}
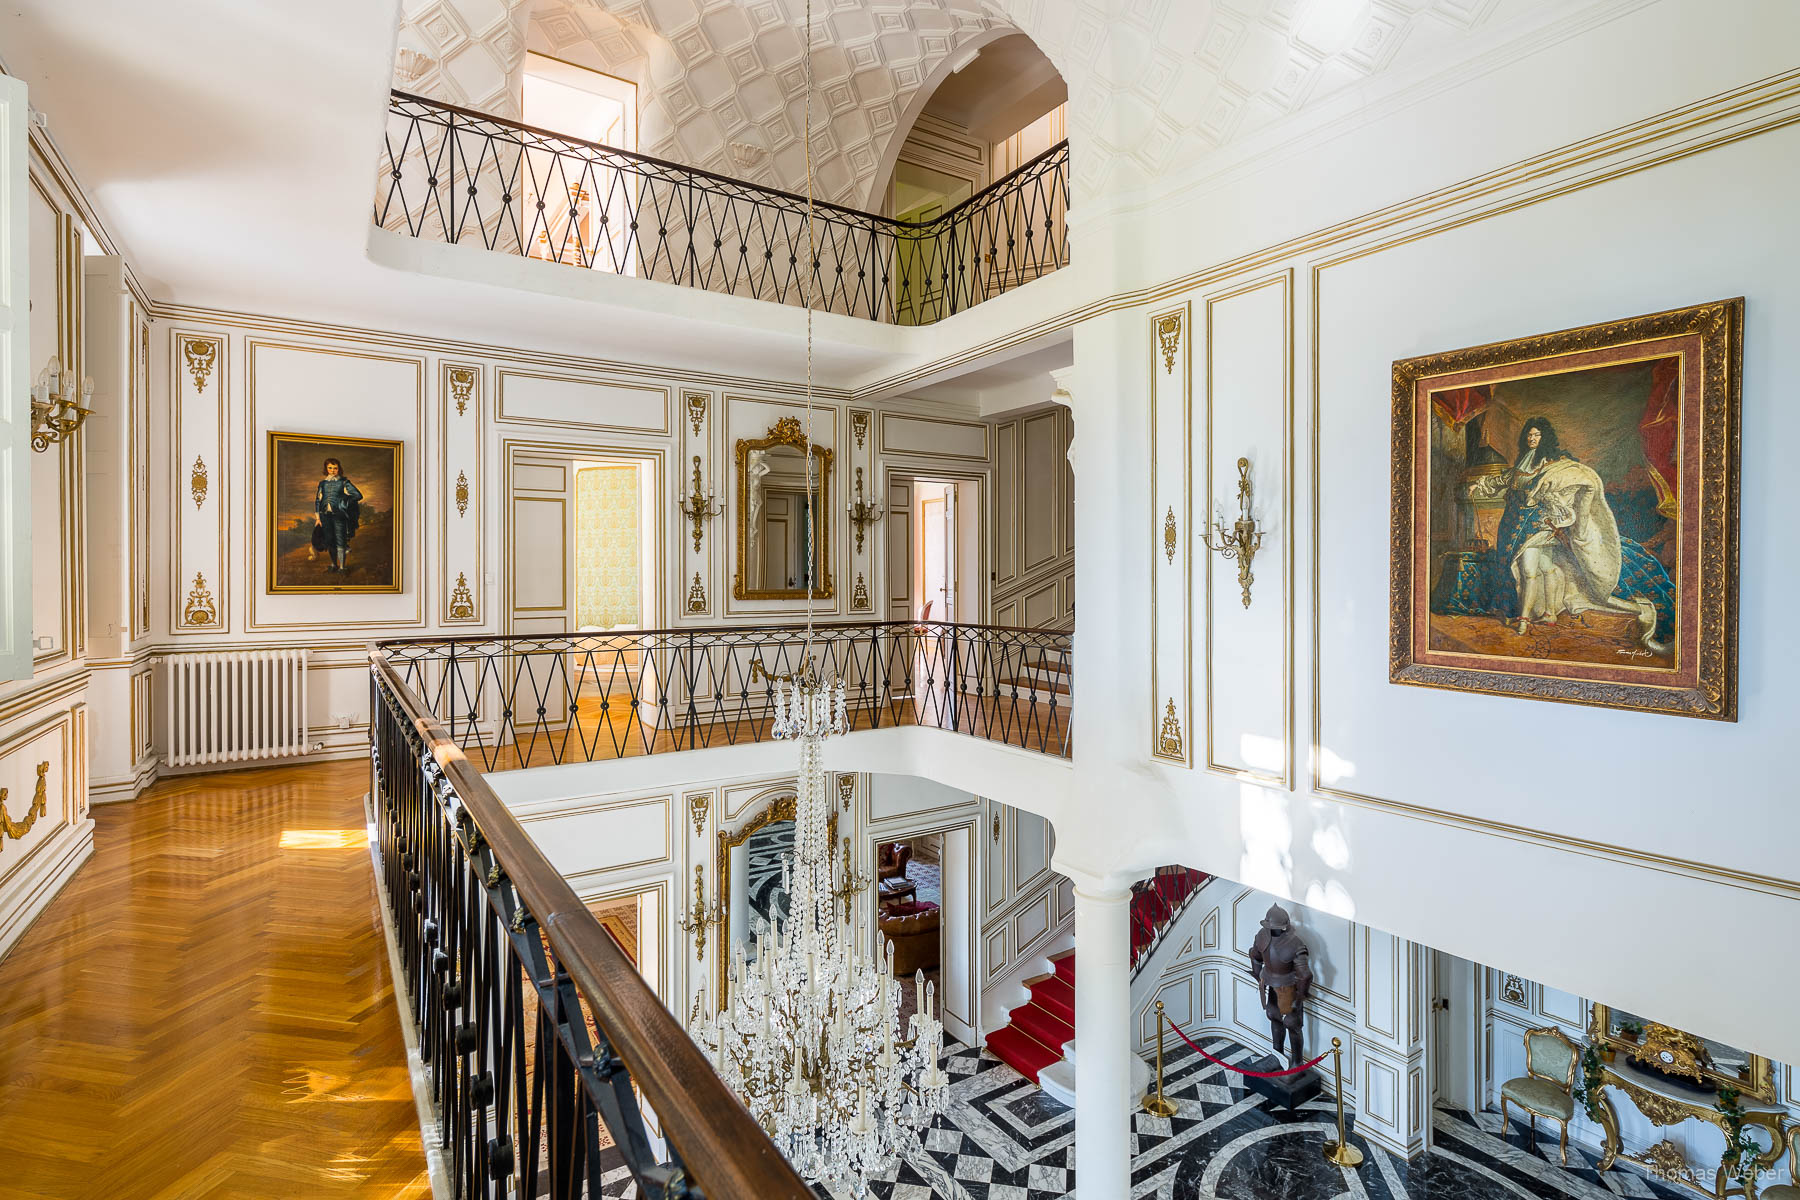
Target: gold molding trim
{"points": [[199, 611], [1170, 537], [197, 481], [40, 805], [201, 355], [1169, 741], [696, 409], [696, 595], [859, 595], [1171, 456], [697, 806], [859, 426], [462, 493], [462, 601], [846, 786]]}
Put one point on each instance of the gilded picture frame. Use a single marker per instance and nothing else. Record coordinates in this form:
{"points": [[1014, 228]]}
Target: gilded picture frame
{"points": [[353, 544], [785, 432], [1564, 521], [1756, 1082]]}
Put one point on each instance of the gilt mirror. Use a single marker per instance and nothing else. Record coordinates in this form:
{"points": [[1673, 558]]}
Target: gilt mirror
{"points": [[1702, 1061], [777, 516]]}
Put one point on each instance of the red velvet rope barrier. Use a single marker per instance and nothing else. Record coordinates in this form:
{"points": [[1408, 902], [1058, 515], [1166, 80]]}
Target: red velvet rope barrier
{"points": [[1306, 1066]]}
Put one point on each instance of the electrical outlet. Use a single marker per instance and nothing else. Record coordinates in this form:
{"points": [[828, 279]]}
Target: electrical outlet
{"points": [[343, 720]]}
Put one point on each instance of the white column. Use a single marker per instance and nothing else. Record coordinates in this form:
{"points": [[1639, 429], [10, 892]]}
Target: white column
{"points": [[1103, 1096]]}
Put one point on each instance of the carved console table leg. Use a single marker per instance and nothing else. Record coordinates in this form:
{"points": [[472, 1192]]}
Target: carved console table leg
{"points": [[1609, 1124]]}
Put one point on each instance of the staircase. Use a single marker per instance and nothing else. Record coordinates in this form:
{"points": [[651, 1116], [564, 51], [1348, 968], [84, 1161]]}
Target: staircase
{"points": [[1038, 678], [1036, 1031]]}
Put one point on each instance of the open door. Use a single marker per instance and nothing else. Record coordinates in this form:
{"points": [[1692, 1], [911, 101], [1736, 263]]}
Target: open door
{"points": [[15, 366]]}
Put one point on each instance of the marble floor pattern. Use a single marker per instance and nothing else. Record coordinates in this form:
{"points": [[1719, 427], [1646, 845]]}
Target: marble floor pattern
{"points": [[1000, 1138]]}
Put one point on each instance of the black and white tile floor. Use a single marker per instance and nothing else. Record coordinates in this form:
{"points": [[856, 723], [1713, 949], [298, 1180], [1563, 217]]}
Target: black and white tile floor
{"points": [[1002, 1139]]}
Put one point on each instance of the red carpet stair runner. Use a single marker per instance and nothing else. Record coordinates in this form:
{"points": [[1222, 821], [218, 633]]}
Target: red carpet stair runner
{"points": [[1035, 1031]]}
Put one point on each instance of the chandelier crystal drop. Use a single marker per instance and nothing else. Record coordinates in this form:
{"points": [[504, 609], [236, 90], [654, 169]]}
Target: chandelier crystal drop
{"points": [[810, 1037]]}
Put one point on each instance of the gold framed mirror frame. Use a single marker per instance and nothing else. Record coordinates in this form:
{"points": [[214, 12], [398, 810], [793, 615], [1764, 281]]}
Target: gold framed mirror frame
{"points": [[785, 432], [782, 808], [1757, 1083]]}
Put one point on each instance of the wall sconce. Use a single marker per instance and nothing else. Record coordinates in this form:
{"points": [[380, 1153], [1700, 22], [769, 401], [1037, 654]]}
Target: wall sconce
{"points": [[698, 507], [58, 404], [1245, 539], [863, 514], [696, 920], [850, 881]]}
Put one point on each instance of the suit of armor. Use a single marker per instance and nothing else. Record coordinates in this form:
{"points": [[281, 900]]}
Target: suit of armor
{"points": [[1282, 967]]}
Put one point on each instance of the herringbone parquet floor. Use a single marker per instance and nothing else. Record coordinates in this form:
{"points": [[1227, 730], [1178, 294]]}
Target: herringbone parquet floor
{"points": [[205, 1013]]}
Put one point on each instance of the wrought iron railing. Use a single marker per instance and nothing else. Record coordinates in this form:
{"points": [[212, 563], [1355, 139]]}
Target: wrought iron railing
{"points": [[449, 174], [1156, 902], [523, 701], [541, 1039]]}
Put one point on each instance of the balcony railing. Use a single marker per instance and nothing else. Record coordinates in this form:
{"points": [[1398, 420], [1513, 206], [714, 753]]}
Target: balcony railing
{"points": [[448, 174], [529, 701], [542, 1041]]}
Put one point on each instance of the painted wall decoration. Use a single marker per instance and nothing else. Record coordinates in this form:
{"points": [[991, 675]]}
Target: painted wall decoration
{"points": [[1565, 515], [608, 578], [335, 514]]}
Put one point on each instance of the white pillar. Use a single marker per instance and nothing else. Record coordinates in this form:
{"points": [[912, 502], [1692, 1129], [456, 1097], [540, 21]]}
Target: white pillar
{"points": [[1103, 1096]]}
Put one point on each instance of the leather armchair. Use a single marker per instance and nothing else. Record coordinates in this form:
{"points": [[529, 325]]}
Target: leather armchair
{"points": [[915, 938], [891, 859], [1547, 1089]]}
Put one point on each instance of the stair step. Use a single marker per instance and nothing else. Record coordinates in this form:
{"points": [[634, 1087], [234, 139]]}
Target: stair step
{"points": [[1043, 1025], [1056, 995], [1058, 684], [1021, 1052], [1065, 966]]}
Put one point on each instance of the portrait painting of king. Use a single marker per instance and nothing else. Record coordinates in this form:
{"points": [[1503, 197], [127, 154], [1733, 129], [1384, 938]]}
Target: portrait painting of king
{"points": [[1565, 515]]}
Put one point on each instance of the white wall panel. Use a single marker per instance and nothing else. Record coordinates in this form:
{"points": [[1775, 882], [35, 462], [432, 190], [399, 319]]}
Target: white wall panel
{"points": [[611, 406]]}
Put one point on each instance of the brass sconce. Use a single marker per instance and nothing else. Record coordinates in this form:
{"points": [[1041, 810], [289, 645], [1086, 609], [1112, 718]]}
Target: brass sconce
{"points": [[862, 514], [702, 915], [59, 404], [698, 507], [1245, 539], [850, 881]]}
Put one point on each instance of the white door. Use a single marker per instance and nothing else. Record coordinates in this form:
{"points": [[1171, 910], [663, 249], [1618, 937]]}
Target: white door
{"points": [[15, 376], [1455, 1028]]}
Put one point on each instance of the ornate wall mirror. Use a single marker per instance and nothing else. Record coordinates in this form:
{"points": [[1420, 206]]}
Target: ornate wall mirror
{"points": [[749, 875], [774, 516], [1683, 1056]]}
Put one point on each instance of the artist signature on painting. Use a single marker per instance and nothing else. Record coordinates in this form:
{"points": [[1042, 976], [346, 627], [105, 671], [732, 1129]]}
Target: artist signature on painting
{"points": [[1634, 652]]}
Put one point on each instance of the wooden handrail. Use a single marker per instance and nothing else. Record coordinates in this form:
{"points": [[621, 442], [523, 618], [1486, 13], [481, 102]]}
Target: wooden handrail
{"points": [[725, 1150]]}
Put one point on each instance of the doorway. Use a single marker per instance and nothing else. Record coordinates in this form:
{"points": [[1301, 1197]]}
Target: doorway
{"points": [[934, 549], [911, 916]]}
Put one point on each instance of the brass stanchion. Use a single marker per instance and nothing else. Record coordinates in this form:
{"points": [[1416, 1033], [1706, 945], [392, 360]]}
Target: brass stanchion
{"points": [[1159, 1105], [1341, 1151]]}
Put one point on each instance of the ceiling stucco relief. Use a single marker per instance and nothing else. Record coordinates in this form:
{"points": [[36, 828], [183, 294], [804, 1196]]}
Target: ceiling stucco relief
{"points": [[1154, 85]]}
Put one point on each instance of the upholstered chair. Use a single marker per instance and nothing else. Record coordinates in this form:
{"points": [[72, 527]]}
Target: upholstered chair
{"points": [[1547, 1089], [913, 929], [1791, 1189], [891, 860]]}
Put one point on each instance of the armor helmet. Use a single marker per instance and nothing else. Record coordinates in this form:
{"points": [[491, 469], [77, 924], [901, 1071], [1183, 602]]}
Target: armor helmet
{"points": [[1276, 919]]}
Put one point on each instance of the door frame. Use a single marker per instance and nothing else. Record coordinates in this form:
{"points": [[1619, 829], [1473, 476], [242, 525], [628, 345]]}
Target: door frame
{"points": [[966, 1024], [1459, 981], [983, 592], [571, 453]]}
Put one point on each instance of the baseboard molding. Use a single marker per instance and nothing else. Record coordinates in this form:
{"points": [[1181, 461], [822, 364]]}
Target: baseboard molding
{"points": [[25, 896], [121, 789]]}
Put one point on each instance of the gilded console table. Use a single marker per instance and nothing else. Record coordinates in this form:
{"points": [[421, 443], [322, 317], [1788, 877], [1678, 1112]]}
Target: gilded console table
{"points": [[1664, 1104]]}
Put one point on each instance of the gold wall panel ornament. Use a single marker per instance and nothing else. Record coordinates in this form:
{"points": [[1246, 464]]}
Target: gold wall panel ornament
{"points": [[859, 426], [996, 827], [200, 355], [462, 493], [462, 602], [197, 481], [1169, 742], [696, 596], [1168, 336], [696, 410], [462, 387], [40, 805], [1245, 539], [846, 789], [1512, 990], [859, 595], [1170, 536], [697, 805], [199, 610]]}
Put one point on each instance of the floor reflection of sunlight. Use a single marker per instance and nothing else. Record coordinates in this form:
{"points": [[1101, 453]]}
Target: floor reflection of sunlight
{"points": [[1268, 834], [324, 839]]}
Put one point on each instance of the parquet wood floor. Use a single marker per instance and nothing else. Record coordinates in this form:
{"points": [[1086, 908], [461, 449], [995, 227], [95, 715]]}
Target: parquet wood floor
{"points": [[206, 1013]]}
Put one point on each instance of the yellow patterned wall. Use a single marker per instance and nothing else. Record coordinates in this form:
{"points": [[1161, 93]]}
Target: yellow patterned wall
{"points": [[608, 579]]}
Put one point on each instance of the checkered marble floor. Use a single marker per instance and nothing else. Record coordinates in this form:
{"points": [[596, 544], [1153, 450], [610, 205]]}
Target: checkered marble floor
{"points": [[1000, 1138]]}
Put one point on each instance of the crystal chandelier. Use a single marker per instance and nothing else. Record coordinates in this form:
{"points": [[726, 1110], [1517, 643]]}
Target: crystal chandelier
{"points": [[809, 1035]]}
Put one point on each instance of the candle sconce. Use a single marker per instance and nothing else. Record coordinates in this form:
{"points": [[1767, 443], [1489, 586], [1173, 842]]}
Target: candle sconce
{"points": [[698, 506], [850, 881], [696, 920], [1245, 539], [863, 514], [59, 404]]}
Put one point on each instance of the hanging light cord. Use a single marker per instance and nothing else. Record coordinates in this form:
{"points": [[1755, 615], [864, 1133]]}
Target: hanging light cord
{"points": [[806, 293]]}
